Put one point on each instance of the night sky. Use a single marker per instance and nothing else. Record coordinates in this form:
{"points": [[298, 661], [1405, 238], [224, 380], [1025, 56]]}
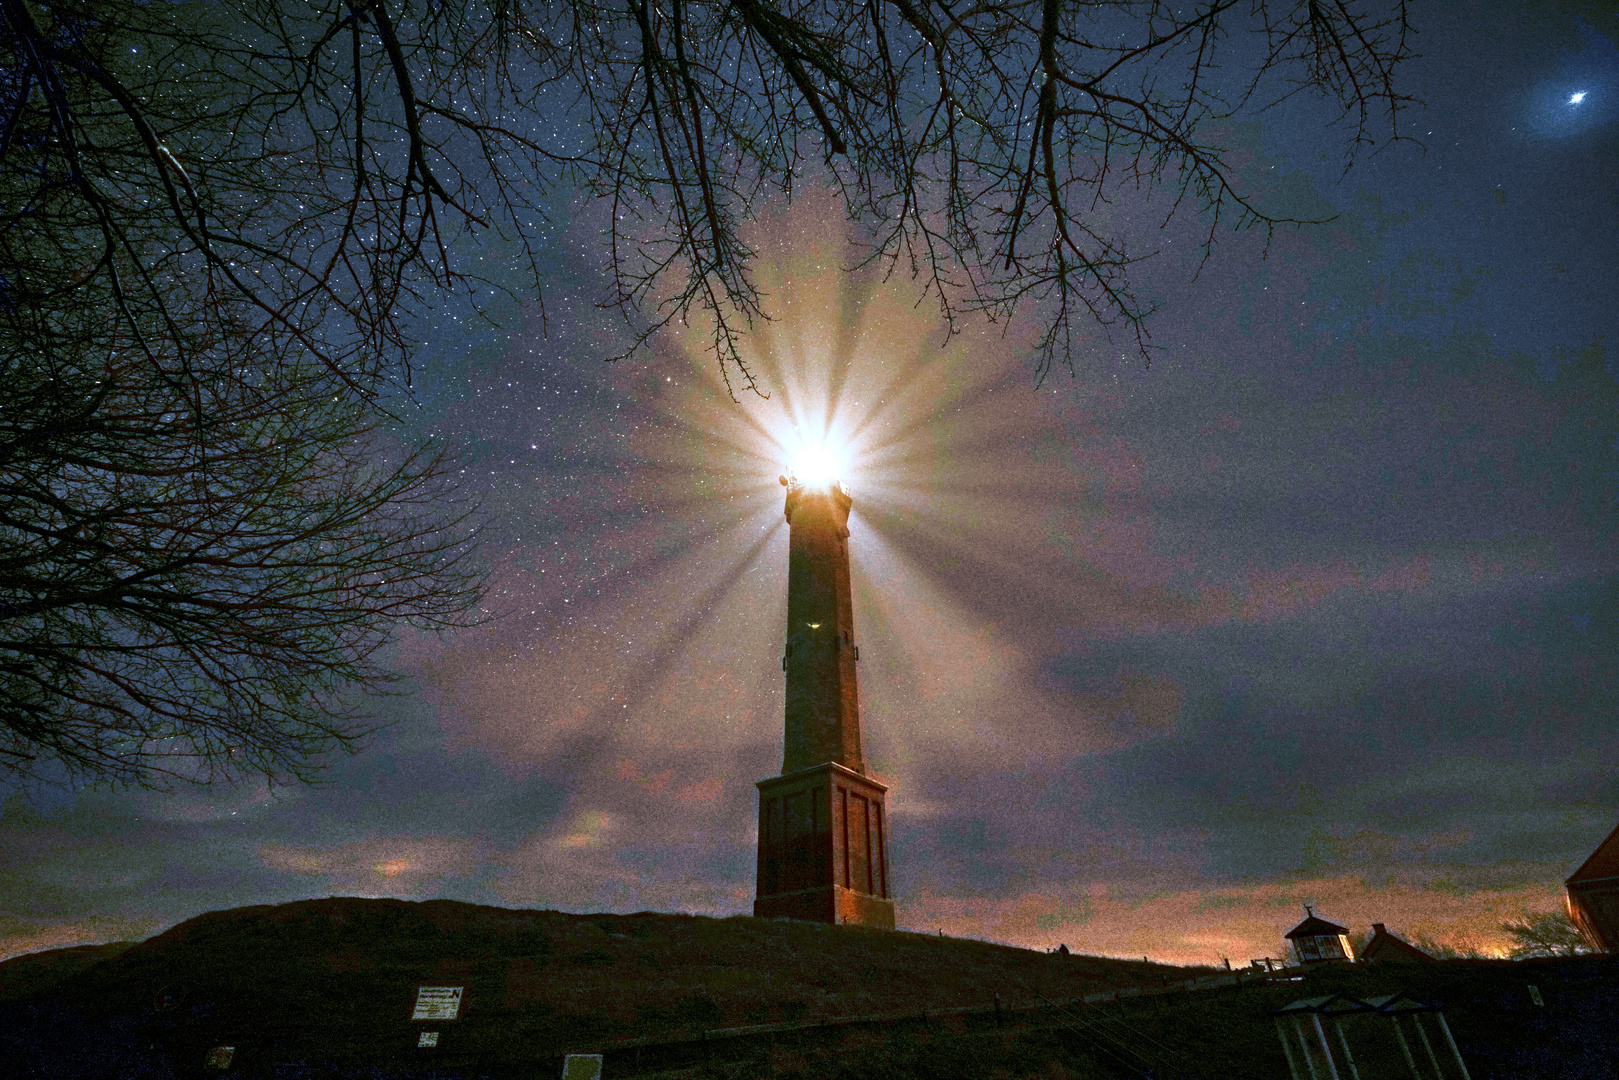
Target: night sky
{"points": [[1321, 608]]}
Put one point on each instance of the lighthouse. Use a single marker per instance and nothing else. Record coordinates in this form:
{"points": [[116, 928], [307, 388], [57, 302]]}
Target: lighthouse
{"points": [[823, 824]]}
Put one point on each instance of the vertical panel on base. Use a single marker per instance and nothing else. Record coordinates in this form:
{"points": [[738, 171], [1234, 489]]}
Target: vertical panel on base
{"points": [[881, 848], [860, 865], [821, 854], [840, 869]]}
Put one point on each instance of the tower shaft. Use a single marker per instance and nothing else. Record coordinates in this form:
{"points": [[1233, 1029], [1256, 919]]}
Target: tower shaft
{"points": [[823, 701], [823, 823]]}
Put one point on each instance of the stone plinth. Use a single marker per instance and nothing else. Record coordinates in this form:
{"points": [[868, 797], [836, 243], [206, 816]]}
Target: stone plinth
{"points": [[823, 848]]}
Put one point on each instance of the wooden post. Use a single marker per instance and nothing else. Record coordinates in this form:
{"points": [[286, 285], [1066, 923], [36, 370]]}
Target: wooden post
{"points": [[1304, 1046], [1433, 1059], [1326, 1047], [1460, 1064], [1405, 1047], [1349, 1059], [1287, 1048]]}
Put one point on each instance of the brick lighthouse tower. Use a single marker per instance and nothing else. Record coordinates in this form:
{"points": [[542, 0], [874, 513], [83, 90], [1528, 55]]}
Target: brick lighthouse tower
{"points": [[823, 830]]}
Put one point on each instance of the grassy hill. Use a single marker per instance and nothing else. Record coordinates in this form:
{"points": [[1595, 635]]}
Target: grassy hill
{"points": [[326, 988], [336, 979], [36, 974]]}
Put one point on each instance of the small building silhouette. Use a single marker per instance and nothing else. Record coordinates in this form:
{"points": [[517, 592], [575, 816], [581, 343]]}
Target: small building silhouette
{"points": [[1385, 946], [1591, 895], [1317, 941]]}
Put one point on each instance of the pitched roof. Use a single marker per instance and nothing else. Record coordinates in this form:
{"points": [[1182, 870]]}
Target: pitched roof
{"points": [[1337, 1004], [1315, 926], [1399, 1003], [1385, 946], [1603, 863]]}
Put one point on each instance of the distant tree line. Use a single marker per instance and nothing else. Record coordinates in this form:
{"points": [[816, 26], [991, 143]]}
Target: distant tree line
{"points": [[1532, 934]]}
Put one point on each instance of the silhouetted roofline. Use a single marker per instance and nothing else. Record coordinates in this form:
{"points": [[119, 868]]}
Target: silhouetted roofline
{"points": [[1603, 863], [1386, 946], [1315, 926]]}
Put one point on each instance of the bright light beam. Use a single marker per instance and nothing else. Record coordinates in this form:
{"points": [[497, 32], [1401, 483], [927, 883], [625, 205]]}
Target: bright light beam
{"points": [[816, 464], [1576, 97]]}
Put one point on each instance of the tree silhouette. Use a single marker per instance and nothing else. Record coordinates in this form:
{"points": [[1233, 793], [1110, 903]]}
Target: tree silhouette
{"points": [[208, 526], [1549, 933], [196, 572], [221, 221], [306, 169]]}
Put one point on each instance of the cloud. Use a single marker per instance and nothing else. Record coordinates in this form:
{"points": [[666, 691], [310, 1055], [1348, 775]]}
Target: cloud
{"points": [[589, 829], [220, 803], [22, 935], [599, 862], [1128, 706], [384, 866], [1083, 710]]}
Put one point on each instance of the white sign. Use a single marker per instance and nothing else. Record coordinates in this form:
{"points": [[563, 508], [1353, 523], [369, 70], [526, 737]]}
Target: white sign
{"points": [[437, 1002], [582, 1067], [428, 1038]]}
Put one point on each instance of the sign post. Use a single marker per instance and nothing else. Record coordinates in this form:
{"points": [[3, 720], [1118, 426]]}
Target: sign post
{"points": [[437, 1002], [582, 1067]]}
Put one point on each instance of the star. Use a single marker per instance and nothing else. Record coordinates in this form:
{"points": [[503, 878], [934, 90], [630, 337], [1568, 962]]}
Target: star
{"points": [[1576, 97]]}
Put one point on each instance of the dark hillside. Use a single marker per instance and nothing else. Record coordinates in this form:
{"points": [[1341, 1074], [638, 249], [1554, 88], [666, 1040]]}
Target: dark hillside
{"points": [[38, 973], [335, 979], [326, 988]]}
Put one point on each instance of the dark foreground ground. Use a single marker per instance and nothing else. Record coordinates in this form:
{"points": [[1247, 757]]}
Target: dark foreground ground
{"points": [[326, 988]]}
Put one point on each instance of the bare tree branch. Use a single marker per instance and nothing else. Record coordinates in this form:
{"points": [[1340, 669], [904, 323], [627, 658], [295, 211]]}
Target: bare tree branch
{"points": [[196, 572], [214, 215]]}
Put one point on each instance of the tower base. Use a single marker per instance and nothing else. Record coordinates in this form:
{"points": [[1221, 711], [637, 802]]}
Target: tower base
{"points": [[828, 904], [823, 848]]}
